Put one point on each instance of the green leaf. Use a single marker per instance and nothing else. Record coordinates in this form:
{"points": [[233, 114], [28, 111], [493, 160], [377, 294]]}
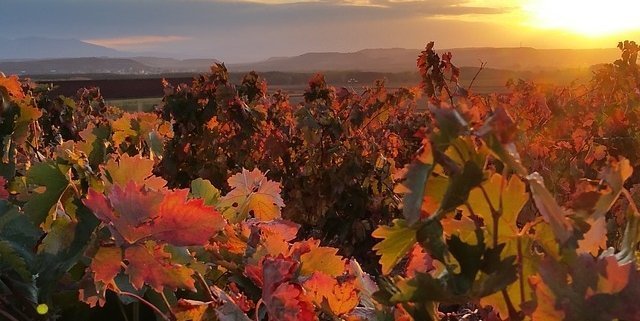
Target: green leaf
{"points": [[396, 242], [460, 187], [470, 259], [16, 227], [49, 176], [451, 125], [202, 188], [13, 259], [413, 189], [156, 144], [431, 236], [52, 266]]}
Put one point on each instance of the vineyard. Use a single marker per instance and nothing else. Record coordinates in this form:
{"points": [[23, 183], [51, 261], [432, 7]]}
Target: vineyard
{"points": [[228, 203]]}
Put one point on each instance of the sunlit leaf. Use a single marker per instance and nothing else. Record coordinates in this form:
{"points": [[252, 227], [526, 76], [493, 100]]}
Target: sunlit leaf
{"points": [[253, 195], [148, 263], [396, 242]]}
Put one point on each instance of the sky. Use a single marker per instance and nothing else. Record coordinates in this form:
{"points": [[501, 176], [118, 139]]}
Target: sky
{"points": [[242, 31]]}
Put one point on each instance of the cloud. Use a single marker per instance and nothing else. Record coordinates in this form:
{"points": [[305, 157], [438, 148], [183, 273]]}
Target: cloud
{"points": [[246, 30], [135, 41]]}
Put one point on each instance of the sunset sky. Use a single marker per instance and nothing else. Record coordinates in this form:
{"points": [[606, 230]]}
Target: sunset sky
{"points": [[237, 31]]}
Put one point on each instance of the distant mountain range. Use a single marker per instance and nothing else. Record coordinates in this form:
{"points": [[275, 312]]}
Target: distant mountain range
{"points": [[43, 56], [47, 48], [402, 60]]}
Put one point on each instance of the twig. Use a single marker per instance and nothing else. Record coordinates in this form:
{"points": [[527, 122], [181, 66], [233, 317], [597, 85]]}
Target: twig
{"points": [[513, 314], [203, 283], [632, 203], [7, 315], [147, 303], [166, 302], [482, 65], [122, 311]]}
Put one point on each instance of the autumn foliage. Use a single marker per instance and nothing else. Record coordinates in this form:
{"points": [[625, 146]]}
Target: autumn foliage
{"points": [[231, 203]]}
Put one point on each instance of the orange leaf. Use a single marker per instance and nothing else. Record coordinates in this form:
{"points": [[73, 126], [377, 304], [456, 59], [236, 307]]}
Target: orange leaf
{"points": [[150, 264], [545, 301], [106, 264], [134, 213], [340, 298], [136, 168], [419, 261], [12, 86], [614, 276], [190, 310]]}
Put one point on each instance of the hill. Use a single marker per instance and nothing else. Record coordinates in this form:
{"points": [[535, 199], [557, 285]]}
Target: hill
{"points": [[402, 60], [45, 48]]}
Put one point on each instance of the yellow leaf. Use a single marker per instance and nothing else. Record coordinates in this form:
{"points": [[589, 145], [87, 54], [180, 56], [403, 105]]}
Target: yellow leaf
{"points": [[252, 194], [396, 242], [323, 259]]}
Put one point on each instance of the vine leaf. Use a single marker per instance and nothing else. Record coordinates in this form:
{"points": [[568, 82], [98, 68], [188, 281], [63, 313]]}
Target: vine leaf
{"points": [[191, 310], [592, 240], [326, 291], [396, 242], [132, 168], [49, 176], [134, 213], [106, 264], [150, 264], [202, 188], [229, 309], [545, 301], [550, 210], [12, 258], [614, 276], [10, 86], [415, 184], [289, 303], [122, 129], [419, 261], [514, 198], [252, 193], [322, 259], [284, 300]]}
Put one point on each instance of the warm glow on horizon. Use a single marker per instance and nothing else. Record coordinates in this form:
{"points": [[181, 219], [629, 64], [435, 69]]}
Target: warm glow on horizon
{"points": [[593, 18]]}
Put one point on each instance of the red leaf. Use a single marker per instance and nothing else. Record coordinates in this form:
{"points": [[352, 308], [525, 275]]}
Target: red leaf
{"points": [[135, 213], [284, 300], [419, 261], [150, 264], [4, 194], [288, 303]]}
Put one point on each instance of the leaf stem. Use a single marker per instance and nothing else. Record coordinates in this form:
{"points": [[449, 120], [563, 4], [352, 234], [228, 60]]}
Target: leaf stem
{"points": [[257, 315], [203, 283]]}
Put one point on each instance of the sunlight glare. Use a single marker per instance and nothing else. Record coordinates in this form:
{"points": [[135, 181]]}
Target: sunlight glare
{"points": [[586, 17]]}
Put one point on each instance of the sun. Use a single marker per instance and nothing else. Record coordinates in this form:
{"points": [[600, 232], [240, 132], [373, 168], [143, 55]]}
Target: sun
{"points": [[586, 17]]}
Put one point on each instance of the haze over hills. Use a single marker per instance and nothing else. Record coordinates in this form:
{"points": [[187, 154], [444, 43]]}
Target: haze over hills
{"points": [[43, 56], [47, 48], [402, 60]]}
